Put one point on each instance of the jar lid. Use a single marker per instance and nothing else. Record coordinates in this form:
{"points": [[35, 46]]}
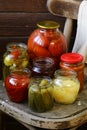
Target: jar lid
{"points": [[71, 58], [48, 24]]}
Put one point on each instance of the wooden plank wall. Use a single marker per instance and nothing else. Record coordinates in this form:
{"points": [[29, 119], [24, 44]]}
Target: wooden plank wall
{"points": [[18, 19]]}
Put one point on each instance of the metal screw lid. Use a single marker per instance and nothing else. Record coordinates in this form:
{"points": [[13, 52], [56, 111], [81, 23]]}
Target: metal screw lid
{"points": [[48, 24]]}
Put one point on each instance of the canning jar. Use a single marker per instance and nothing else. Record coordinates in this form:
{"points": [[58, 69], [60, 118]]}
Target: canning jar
{"points": [[16, 84], [43, 67], [47, 41], [15, 57], [40, 97], [66, 86], [74, 61]]}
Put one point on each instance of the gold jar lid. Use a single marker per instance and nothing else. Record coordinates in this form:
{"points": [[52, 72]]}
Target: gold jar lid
{"points": [[48, 24]]}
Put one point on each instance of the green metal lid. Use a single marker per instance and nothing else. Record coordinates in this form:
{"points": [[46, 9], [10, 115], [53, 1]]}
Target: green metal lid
{"points": [[48, 24]]}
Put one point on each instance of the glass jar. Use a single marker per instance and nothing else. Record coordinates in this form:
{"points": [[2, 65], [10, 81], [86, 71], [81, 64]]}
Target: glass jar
{"points": [[40, 94], [16, 84], [47, 41], [15, 57], [74, 61], [66, 86], [43, 67]]}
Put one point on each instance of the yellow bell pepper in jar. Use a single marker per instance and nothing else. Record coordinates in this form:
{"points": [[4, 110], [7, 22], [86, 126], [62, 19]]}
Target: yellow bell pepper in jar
{"points": [[66, 87]]}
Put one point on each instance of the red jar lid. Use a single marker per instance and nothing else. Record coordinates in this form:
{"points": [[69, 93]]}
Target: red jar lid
{"points": [[71, 58]]}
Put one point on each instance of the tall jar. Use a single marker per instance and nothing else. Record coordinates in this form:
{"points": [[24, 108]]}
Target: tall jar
{"points": [[47, 41], [66, 86], [74, 61], [15, 57]]}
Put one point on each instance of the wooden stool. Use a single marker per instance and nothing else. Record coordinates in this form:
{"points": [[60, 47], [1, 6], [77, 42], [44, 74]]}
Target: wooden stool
{"points": [[67, 9]]}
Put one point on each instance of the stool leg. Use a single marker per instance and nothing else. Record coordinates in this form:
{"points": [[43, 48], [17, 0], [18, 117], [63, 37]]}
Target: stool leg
{"points": [[68, 30]]}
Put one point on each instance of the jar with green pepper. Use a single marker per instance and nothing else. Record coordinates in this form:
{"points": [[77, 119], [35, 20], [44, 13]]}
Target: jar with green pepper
{"points": [[15, 57], [40, 94]]}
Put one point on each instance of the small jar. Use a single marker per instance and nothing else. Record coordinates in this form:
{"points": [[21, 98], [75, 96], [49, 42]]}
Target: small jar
{"points": [[40, 94], [66, 86], [43, 67], [16, 84], [47, 41], [74, 61], [15, 57]]}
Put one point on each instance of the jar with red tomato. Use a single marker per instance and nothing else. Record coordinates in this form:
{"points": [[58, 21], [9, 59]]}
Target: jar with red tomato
{"points": [[47, 41], [15, 57], [16, 84]]}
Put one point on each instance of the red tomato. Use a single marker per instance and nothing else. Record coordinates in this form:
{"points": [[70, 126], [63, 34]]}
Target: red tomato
{"points": [[31, 43], [15, 53], [57, 47], [63, 41], [40, 51], [51, 34], [37, 38], [41, 40]]}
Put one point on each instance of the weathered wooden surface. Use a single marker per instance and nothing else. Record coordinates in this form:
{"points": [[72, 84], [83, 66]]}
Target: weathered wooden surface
{"points": [[60, 117], [64, 8]]}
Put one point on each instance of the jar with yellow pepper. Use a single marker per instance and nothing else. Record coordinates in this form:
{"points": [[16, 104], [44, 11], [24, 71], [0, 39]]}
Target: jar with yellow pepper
{"points": [[15, 57], [66, 86]]}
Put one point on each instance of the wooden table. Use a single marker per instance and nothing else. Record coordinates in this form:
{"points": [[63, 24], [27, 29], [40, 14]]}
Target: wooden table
{"points": [[60, 117]]}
